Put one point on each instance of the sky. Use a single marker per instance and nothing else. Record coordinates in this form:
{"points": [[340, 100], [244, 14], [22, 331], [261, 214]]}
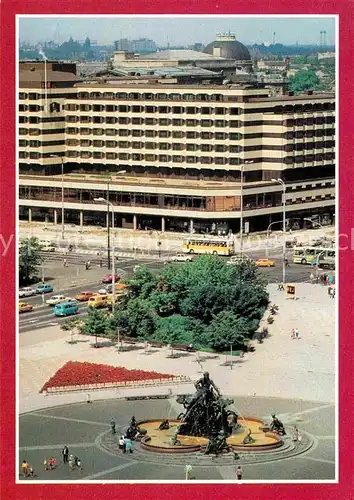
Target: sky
{"points": [[181, 30]]}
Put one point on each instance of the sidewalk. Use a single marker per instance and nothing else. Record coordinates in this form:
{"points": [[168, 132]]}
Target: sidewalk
{"points": [[128, 239], [280, 367]]}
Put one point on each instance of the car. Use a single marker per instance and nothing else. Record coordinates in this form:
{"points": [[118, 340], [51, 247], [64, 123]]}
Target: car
{"points": [[237, 259], [120, 287], [49, 248], [44, 288], [84, 296], [66, 308], [108, 278], [265, 263], [180, 257], [26, 292], [23, 307], [98, 300], [56, 299]]}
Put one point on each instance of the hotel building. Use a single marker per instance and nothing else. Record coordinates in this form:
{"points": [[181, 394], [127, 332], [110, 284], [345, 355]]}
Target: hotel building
{"points": [[193, 154]]}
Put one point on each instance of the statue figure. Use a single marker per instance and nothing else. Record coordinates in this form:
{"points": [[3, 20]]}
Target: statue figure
{"points": [[174, 440], [277, 426], [164, 425], [248, 439], [206, 415], [133, 430]]}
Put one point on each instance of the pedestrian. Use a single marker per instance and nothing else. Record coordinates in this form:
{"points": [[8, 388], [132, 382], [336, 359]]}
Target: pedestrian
{"points": [[45, 463], [333, 293], [65, 453], [52, 463], [113, 425], [295, 435], [311, 277], [121, 444], [65, 263], [293, 333], [239, 472], [71, 462], [24, 468], [79, 464], [329, 291], [297, 334], [128, 445]]}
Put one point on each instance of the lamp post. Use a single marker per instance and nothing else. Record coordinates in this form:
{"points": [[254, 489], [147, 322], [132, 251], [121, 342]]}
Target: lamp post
{"points": [[242, 169], [275, 222], [313, 222], [62, 195], [280, 181]]}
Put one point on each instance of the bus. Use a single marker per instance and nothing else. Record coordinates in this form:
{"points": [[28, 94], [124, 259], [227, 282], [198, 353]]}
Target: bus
{"points": [[215, 246], [324, 257]]}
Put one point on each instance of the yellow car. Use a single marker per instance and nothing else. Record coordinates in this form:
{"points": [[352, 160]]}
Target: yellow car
{"points": [[265, 263], [22, 307], [97, 301]]}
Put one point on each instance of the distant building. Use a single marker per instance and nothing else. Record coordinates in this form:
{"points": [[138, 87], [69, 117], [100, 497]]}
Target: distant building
{"points": [[326, 55], [139, 46]]}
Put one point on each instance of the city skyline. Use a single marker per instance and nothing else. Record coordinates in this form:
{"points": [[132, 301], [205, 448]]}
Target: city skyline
{"points": [[178, 30]]}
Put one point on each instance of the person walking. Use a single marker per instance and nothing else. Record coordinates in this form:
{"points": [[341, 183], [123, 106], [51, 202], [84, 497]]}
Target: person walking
{"points": [[79, 464], [297, 334], [113, 425], [65, 263], [295, 435], [45, 463], [65, 453], [239, 473], [24, 468], [121, 444], [71, 462], [293, 333], [128, 445]]}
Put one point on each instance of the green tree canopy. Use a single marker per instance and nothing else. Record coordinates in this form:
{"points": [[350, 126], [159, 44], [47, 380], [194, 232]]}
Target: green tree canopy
{"points": [[29, 260], [97, 323], [204, 302], [304, 80]]}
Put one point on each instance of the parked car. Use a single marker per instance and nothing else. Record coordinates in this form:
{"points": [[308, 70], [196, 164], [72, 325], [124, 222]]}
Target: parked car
{"points": [[23, 307], [47, 246], [66, 308], [56, 299], [26, 292], [109, 288], [108, 278], [237, 259], [98, 301], [180, 257], [265, 263], [44, 288]]}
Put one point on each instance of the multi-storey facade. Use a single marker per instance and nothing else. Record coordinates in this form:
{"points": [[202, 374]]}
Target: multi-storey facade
{"points": [[192, 155]]}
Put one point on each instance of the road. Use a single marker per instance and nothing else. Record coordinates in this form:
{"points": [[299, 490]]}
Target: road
{"points": [[73, 279]]}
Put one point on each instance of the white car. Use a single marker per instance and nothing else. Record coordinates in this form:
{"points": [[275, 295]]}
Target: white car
{"points": [[56, 299], [237, 259], [26, 292], [180, 257]]}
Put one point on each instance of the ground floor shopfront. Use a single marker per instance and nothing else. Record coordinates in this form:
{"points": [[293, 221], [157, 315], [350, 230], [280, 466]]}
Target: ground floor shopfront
{"points": [[295, 219]]}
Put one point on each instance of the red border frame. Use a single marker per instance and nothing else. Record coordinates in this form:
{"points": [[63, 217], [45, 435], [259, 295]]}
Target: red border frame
{"points": [[343, 490]]}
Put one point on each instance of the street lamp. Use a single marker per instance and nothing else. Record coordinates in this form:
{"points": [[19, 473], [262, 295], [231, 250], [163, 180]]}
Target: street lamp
{"points": [[242, 169], [280, 181], [275, 222], [313, 222], [62, 194]]}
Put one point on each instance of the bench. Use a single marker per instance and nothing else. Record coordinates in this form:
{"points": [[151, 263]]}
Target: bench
{"points": [[130, 340], [183, 347]]}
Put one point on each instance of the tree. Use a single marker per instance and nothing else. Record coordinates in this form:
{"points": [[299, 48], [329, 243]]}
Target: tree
{"points": [[176, 328], [69, 325], [227, 329], [96, 323], [137, 318], [304, 80], [29, 259]]}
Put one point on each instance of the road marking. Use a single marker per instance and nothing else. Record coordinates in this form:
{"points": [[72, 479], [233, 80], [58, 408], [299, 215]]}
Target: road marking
{"points": [[44, 415], [318, 459], [51, 446], [113, 469]]}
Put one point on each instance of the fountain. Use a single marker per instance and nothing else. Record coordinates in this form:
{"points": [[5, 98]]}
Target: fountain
{"points": [[207, 425]]}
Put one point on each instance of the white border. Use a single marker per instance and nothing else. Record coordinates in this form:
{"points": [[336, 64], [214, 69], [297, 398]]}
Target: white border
{"points": [[114, 16]]}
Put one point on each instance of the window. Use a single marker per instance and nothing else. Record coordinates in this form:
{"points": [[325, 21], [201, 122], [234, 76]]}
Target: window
{"points": [[191, 159], [177, 159], [109, 95], [206, 110], [33, 119], [121, 95], [234, 124], [206, 160], [206, 123], [24, 131], [111, 156], [234, 111], [164, 145], [235, 137], [34, 108], [34, 155], [22, 107], [137, 121], [123, 108], [32, 96], [71, 107], [191, 147], [83, 95], [206, 147], [137, 157], [72, 142], [177, 134], [177, 147], [164, 121], [96, 95], [164, 133], [22, 154], [206, 135], [124, 156], [84, 107], [137, 109], [192, 135], [83, 131], [219, 161], [123, 133], [72, 119], [85, 154], [177, 109], [188, 97], [174, 97], [150, 145], [137, 145], [177, 122], [98, 155], [72, 154], [98, 144], [150, 157], [150, 121], [150, 109], [85, 119], [150, 133], [220, 123], [84, 143], [22, 143], [192, 123], [122, 120], [220, 111], [22, 96], [111, 144], [164, 109], [124, 144], [164, 158], [98, 119], [137, 133], [111, 131], [97, 131], [234, 161], [34, 131], [191, 110], [111, 120]]}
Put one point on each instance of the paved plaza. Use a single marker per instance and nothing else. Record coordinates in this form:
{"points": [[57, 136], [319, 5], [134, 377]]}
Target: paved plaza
{"points": [[294, 378]]}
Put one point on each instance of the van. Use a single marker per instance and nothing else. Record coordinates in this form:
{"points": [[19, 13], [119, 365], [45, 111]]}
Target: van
{"points": [[98, 301], [66, 309]]}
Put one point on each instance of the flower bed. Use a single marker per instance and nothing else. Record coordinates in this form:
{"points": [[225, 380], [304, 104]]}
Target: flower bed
{"points": [[75, 373]]}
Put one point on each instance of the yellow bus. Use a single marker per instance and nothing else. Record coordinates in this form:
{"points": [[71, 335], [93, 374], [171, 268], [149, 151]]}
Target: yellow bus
{"points": [[214, 246]]}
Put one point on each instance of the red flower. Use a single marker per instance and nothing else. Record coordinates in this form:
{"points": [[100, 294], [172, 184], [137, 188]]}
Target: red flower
{"points": [[78, 373]]}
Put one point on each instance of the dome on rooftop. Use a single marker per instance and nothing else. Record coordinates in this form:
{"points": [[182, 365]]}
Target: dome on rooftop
{"points": [[228, 47]]}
